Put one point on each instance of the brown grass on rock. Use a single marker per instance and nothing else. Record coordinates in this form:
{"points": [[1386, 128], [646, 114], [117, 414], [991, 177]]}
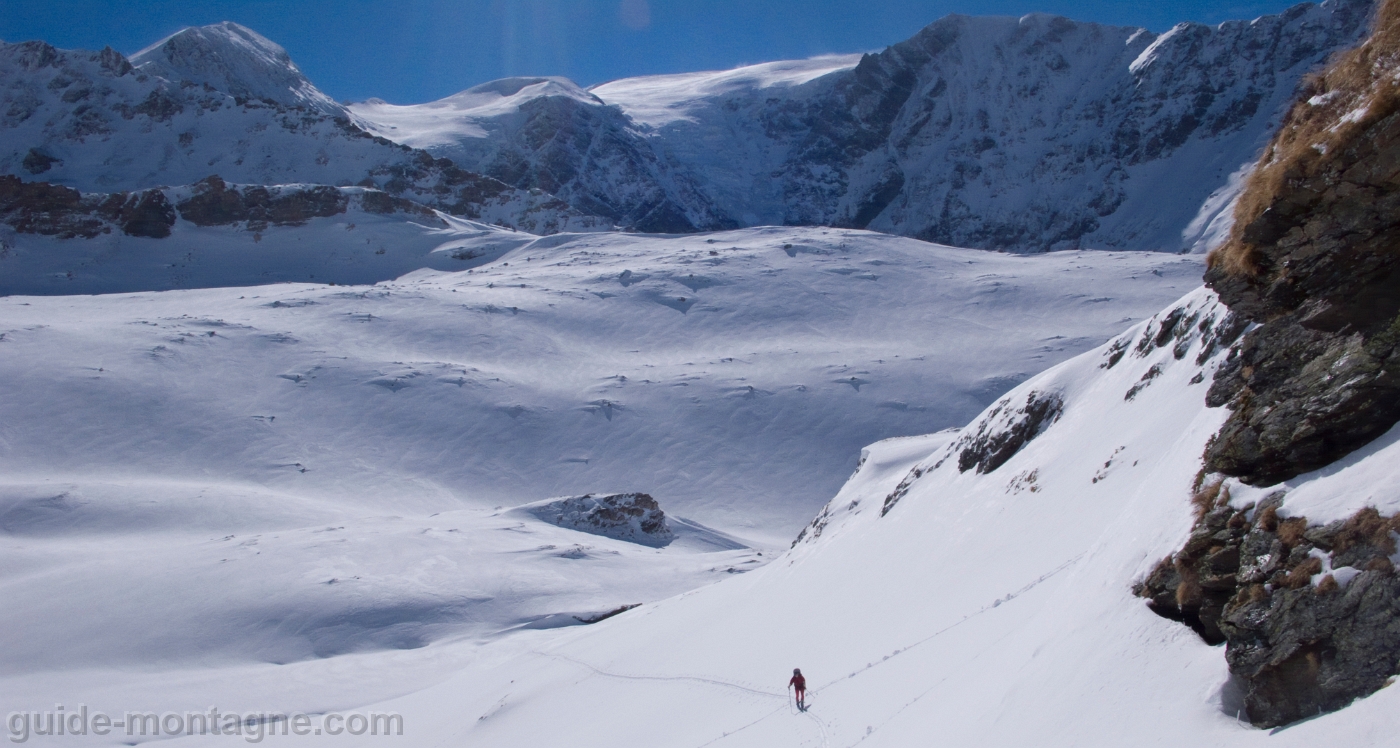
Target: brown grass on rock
{"points": [[1381, 564], [1302, 574], [1368, 527], [1211, 496], [1327, 584], [1267, 519], [1291, 530], [1357, 90]]}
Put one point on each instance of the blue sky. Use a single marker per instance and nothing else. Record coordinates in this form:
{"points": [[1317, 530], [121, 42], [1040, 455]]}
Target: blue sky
{"points": [[409, 51]]}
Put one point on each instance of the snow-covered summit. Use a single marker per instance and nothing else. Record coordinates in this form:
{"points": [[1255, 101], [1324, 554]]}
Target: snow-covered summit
{"points": [[93, 122], [236, 60]]}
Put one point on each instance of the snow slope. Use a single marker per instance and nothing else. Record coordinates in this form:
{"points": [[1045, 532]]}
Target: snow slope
{"points": [[986, 608], [236, 60], [201, 484], [458, 116], [1028, 133]]}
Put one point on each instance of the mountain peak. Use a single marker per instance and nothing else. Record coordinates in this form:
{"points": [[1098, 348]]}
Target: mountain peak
{"points": [[236, 60]]}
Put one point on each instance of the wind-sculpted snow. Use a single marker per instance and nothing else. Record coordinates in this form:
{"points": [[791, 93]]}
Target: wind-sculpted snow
{"points": [[986, 606], [732, 376], [989, 605], [1029, 133]]}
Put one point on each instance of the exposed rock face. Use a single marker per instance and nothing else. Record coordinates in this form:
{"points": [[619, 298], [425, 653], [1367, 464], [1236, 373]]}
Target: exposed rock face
{"points": [[214, 204], [1309, 613], [634, 517], [1006, 430], [1315, 261], [54, 210], [36, 162]]}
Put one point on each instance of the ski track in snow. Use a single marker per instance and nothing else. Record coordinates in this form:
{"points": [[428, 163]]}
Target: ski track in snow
{"points": [[812, 692]]}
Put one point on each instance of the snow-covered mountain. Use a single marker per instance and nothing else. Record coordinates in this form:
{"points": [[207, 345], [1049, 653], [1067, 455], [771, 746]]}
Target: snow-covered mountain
{"points": [[222, 100], [1025, 133], [549, 134], [235, 60]]}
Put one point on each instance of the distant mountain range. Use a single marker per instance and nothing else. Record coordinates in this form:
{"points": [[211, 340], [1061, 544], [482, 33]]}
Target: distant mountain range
{"points": [[1026, 134]]}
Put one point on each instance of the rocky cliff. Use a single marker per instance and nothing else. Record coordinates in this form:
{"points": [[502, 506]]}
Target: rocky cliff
{"points": [[1313, 261], [1307, 609]]}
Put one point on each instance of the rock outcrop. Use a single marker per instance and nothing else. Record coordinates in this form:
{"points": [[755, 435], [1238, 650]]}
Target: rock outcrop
{"points": [[54, 210], [633, 517], [1314, 261], [1308, 611], [65, 213]]}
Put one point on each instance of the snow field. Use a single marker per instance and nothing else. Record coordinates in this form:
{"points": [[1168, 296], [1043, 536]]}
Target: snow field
{"points": [[187, 471]]}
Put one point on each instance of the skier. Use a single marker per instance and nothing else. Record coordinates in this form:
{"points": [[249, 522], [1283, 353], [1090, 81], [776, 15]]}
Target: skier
{"points": [[799, 684]]}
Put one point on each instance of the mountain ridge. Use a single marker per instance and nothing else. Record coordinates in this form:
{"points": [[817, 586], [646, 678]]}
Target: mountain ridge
{"points": [[905, 140]]}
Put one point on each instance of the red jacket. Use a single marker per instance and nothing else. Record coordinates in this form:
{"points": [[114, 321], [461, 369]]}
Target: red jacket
{"points": [[798, 682]]}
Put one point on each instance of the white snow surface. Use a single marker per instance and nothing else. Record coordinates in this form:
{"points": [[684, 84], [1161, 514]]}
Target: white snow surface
{"points": [[987, 609], [732, 376]]}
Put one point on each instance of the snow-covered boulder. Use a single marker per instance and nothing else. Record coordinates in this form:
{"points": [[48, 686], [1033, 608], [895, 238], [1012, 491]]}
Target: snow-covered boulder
{"points": [[634, 517]]}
